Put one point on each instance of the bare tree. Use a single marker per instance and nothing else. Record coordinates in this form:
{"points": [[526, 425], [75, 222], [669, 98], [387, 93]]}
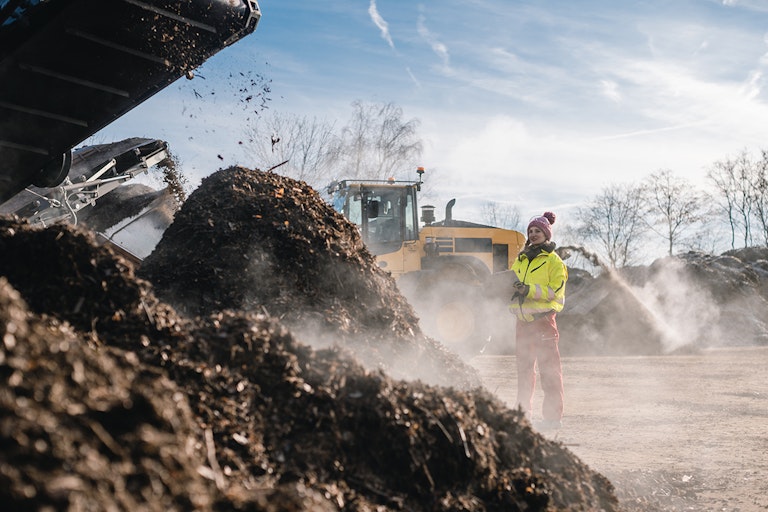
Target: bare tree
{"points": [[614, 221], [723, 175], [745, 197], [760, 186], [302, 147], [501, 216], [674, 206], [377, 142], [374, 144], [733, 181]]}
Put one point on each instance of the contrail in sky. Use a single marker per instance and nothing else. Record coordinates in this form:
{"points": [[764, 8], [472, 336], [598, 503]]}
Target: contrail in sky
{"points": [[648, 132]]}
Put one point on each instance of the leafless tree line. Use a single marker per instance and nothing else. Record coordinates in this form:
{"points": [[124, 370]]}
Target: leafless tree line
{"points": [[620, 222], [622, 219], [501, 215], [742, 196], [376, 143]]}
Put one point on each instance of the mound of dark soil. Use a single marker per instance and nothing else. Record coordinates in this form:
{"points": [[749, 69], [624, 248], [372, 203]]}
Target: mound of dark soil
{"points": [[110, 399], [256, 241], [85, 427]]}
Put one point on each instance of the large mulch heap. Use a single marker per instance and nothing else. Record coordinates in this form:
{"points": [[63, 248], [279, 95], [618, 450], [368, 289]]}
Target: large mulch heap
{"points": [[256, 241], [110, 399]]}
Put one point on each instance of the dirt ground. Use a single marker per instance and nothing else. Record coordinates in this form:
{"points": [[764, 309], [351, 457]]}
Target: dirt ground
{"points": [[677, 432]]}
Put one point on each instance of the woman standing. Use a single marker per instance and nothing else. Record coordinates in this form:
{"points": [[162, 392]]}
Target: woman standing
{"points": [[538, 297]]}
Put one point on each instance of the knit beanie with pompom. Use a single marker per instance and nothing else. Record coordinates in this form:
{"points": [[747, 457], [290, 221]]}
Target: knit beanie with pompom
{"points": [[544, 223]]}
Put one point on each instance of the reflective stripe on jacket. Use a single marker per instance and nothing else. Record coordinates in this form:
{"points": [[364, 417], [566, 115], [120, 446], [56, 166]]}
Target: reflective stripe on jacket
{"points": [[546, 275]]}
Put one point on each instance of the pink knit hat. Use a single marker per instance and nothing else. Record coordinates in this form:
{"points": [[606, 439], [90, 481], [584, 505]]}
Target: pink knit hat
{"points": [[544, 223]]}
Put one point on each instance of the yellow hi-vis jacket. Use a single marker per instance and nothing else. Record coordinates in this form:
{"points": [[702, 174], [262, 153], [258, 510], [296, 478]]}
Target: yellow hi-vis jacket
{"points": [[546, 275]]}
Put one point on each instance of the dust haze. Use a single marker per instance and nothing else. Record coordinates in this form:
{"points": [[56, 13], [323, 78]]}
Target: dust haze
{"points": [[247, 241]]}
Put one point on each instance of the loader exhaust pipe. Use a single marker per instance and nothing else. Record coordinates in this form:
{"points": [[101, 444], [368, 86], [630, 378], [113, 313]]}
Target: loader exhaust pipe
{"points": [[449, 211]]}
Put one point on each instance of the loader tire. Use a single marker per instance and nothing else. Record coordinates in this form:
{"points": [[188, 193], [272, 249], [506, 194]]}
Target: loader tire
{"points": [[454, 316]]}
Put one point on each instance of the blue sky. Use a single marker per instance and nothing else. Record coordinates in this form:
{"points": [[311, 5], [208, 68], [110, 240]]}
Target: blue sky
{"points": [[537, 104]]}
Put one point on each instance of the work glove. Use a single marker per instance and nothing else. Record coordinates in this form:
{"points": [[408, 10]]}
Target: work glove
{"points": [[521, 289]]}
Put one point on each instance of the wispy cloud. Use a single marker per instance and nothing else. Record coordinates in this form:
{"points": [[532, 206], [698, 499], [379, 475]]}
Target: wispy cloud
{"points": [[751, 89], [680, 97], [380, 22], [610, 90], [439, 48]]}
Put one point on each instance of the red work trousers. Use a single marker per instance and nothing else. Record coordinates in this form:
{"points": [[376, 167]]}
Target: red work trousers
{"points": [[537, 343]]}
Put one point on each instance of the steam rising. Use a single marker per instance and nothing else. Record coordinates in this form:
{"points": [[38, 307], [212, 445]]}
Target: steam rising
{"points": [[686, 314], [675, 303]]}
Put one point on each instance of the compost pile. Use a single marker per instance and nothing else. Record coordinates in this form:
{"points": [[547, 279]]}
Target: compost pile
{"points": [[685, 302], [253, 241], [112, 398]]}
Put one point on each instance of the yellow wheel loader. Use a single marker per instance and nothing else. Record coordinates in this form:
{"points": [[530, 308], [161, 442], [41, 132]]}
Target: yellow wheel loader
{"points": [[454, 273]]}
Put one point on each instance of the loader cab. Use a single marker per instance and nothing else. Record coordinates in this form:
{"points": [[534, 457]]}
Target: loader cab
{"points": [[385, 211]]}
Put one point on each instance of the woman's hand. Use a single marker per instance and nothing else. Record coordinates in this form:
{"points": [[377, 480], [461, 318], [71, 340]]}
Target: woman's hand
{"points": [[521, 289]]}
